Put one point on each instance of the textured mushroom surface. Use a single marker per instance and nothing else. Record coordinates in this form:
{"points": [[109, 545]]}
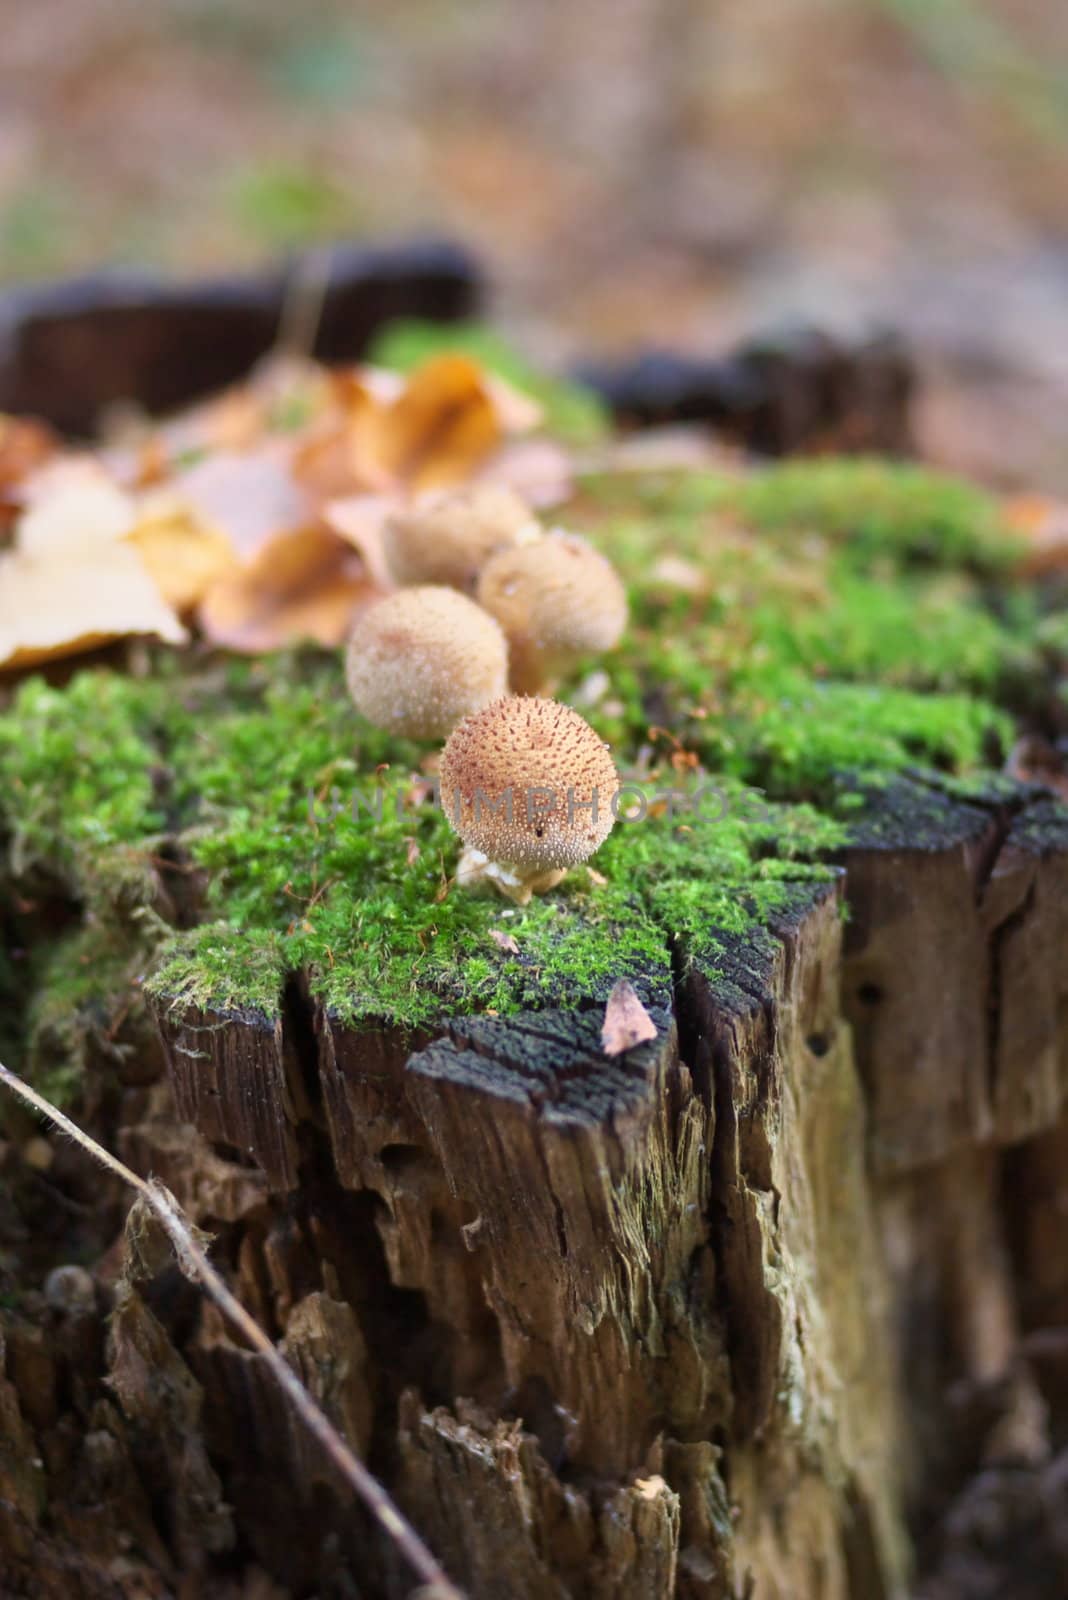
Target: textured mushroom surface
{"points": [[449, 537], [557, 599], [529, 783], [420, 660]]}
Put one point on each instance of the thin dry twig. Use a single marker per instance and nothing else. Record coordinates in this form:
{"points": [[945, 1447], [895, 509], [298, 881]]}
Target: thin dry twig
{"points": [[194, 1263], [302, 305]]}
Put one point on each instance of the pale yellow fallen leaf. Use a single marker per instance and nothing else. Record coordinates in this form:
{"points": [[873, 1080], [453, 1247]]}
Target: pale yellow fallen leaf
{"points": [[183, 554], [72, 504], [55, 606]]}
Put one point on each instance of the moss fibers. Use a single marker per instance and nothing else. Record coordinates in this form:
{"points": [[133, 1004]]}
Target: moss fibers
{"points": [[803, 634]]}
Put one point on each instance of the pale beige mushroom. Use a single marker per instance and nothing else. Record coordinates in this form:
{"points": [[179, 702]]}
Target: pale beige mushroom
{"points": [[421, 659], [530, 788], [449, 537], [557, 600]]}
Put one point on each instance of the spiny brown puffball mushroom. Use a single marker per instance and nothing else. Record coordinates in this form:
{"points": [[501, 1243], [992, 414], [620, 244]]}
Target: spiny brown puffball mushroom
{"points": [[419, 660], [449, 537], [529, 787], [556, 599]]}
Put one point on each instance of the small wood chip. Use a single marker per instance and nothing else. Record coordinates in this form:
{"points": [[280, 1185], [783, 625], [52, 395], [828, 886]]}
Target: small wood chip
{"points": [[626, 1021]]}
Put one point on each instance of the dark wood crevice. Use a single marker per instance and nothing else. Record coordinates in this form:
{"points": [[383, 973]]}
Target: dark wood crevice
{"points": [[642, 1327]]}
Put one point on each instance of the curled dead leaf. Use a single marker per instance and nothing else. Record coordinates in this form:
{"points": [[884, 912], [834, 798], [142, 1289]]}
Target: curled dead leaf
{"points": [[1042, 524], [305, 584], [359, 520], [626, 1021], [336, 455], [439, 429]]}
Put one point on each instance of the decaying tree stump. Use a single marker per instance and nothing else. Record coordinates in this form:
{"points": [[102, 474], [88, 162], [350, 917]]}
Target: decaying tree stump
{"points": [[771, 1307], [734, 1313]]}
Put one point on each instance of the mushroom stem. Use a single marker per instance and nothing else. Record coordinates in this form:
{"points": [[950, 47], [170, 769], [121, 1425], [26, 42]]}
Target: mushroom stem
{"points": [[518, 884]]}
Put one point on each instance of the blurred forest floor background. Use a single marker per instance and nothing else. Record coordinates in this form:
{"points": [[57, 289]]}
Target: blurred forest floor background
{"points": [[630, 171]]}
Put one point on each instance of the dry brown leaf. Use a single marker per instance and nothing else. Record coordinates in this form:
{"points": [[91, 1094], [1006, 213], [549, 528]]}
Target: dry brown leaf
{"points": [[439, 430], [626, 1021], [1043, 524], [250, 497], [332, 457], [359, 520], [332, 461], [58, 604], [235, 420], [184, 555], [504, 941], [24, 446], [1034, 759], [306, 584], [539, 470]]}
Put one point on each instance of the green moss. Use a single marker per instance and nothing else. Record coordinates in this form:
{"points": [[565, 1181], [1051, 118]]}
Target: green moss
{"points": [[935, 635], [77, 771], [874, 511], [1052, 636], [813, 626], [881, 509], [86, 1000], [220, 967], [825, 639], [801, 733], [362, 898]]}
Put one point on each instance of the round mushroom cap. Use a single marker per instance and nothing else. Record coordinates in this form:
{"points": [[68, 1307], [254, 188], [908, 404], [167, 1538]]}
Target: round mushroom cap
{"points": [[529, 783], [556, 599], [419, 660], [449, 537]]}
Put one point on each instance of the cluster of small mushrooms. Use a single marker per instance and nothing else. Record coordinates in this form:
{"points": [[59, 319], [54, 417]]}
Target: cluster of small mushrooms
{"points": [[490, 610]]}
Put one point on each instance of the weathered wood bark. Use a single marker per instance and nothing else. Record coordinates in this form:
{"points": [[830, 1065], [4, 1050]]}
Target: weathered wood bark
{"points": [[69, 350], [804, 390], [773, 1305]]}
